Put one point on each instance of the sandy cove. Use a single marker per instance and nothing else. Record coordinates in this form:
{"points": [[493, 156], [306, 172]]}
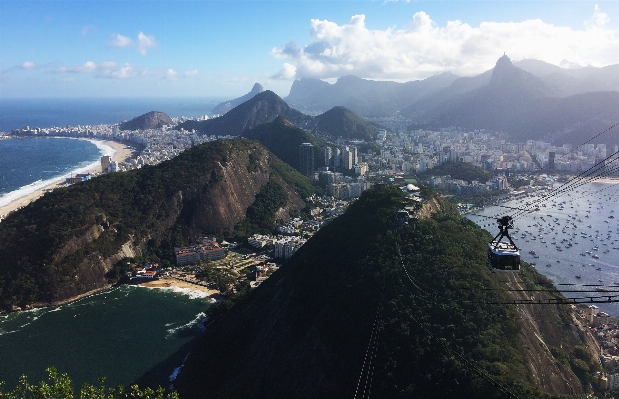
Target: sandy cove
{"points": [[121, 153], [169, 282]]}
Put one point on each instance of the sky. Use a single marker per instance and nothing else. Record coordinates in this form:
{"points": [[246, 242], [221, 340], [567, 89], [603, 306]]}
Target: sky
{"points": [[217, 48]]}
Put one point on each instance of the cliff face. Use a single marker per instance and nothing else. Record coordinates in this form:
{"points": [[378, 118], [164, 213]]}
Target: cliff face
{"points": [[76, 234], [417, 294]]}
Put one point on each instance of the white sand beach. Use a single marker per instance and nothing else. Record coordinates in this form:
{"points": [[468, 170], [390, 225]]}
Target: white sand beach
{"points": [[17, 199]]}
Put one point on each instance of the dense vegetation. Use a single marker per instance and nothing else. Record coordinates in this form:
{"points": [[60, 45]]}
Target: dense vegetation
{"points": [[262, 108], [60, 386], [261, 214], [459, 170], [305, 331], [283, 139], [341, 122], [69, 231]]}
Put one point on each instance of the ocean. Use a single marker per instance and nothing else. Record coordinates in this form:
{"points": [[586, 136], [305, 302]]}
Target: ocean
{"points": [[125, 333], [27, 164], [121, 334], [564, 234], [60, 112]]}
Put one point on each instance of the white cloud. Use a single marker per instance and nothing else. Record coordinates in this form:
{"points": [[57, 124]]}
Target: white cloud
{"points": [[120, 41], [121, 72], [108, 70], [171, 75], [288, 72], [27, 65], [86, 67], [424, 49], [145, 43], [190, 73]]}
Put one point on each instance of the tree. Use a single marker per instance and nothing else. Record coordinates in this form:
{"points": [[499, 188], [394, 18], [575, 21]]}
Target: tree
{"points": [[59, 386]]}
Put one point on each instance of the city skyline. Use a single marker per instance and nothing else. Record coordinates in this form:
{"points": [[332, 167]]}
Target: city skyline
{"points": [[220, 49]]}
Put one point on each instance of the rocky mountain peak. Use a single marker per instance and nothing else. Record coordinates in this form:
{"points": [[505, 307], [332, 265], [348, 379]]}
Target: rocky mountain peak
{"points": [[228, 105], [504, 71]]}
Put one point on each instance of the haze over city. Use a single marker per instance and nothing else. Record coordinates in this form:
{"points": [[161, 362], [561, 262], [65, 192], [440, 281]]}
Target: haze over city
{"points": [[217, 48]]}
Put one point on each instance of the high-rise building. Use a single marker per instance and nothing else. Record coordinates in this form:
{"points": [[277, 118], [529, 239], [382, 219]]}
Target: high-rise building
{"points": [[336, 157], [105, 162], [551, 160], [306, 159], [328, 157], [347, 158]]}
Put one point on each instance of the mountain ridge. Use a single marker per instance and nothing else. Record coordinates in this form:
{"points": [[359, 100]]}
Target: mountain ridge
{"points": [[226, 106], [76, 234], [304, 332]]}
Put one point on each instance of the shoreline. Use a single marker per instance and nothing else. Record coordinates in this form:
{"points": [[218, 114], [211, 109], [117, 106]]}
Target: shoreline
{"points": [[167, 283], [181, 286], [116, 150]]}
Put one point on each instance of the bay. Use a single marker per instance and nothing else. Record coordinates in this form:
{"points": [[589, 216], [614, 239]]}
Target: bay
{"points": [[564, 234], [121, 334]]}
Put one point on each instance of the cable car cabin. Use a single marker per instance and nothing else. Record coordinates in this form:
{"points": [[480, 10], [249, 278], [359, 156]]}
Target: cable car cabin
{"points": [[503, 256]]}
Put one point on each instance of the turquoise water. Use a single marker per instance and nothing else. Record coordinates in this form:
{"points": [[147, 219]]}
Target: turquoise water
{"points": [[119, 334]]}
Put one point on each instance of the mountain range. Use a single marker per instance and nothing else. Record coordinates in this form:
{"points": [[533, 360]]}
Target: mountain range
{"points": [[529, 99], [266, 106]]}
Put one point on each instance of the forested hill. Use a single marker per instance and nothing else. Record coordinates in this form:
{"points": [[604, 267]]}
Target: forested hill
{"points": [[283, 139], [150, 120], [64, 243], [262, 108], [402, 309]]}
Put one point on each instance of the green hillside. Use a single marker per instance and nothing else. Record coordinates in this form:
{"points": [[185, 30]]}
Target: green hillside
{"points": [[341, 122], [412, 299], [64, 243], [283, 139]]}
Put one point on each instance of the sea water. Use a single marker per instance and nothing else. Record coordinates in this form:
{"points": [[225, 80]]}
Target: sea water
{"points": [[48, 112], [27, 164], [120, 334], [586, 218]]}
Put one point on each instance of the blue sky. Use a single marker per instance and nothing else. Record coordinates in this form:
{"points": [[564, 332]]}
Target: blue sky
{"points": [[220, 48]]}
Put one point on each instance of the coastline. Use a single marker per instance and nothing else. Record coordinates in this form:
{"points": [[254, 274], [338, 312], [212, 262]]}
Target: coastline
{"points": [[166, 283], [183, 287], [21, 197]]}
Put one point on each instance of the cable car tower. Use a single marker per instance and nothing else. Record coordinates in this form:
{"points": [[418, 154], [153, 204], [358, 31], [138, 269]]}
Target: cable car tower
{"points": [[504, 256]]}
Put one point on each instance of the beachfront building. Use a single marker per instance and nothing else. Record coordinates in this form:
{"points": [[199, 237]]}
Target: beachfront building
{"points": [[105, 162], [207, 248]]}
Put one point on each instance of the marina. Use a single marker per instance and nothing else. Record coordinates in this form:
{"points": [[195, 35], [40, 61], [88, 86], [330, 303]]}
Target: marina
{"points": [[575, 255]]}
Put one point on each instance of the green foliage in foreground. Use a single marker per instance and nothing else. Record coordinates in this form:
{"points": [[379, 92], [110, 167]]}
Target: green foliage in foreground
{"points": [[59, 387]]}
